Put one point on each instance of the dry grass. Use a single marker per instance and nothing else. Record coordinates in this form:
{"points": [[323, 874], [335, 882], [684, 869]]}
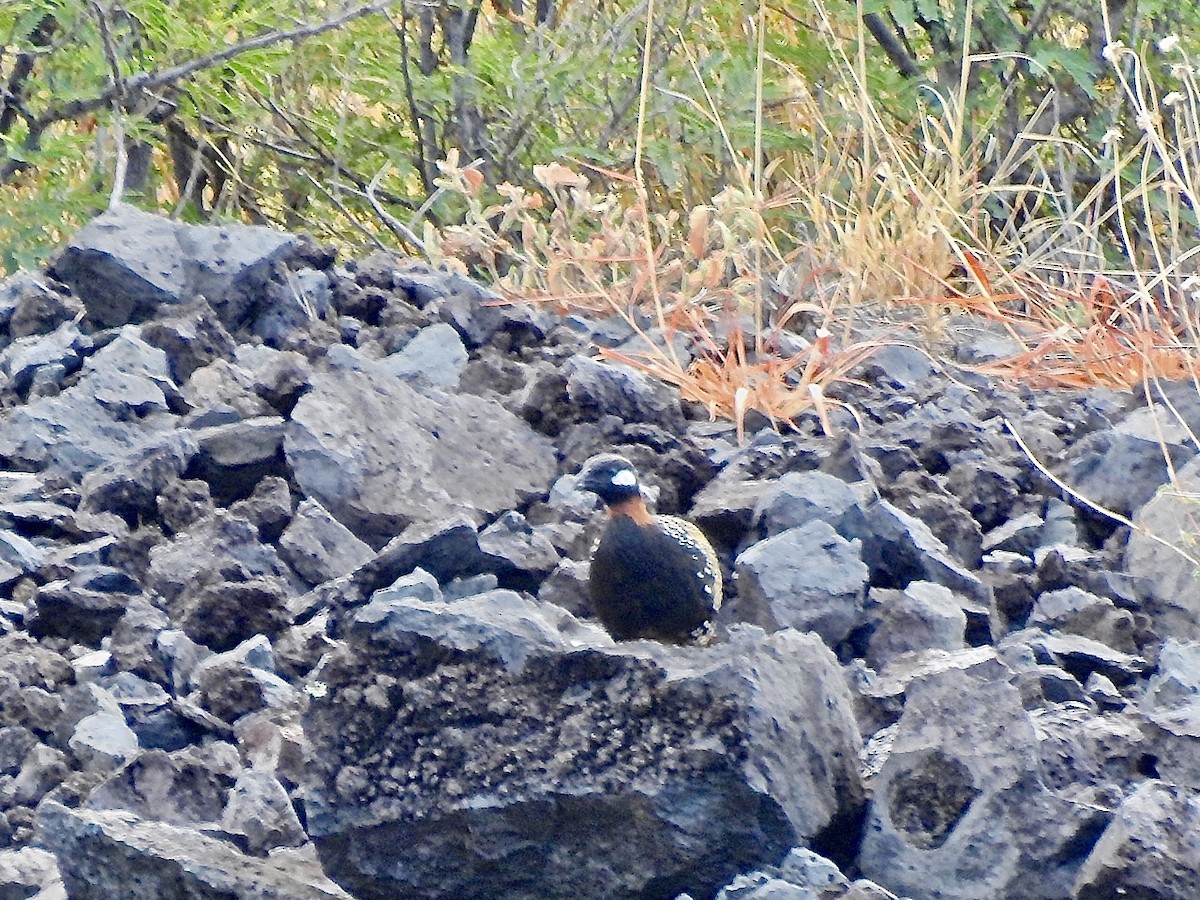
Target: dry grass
{"points": [[863, 223]]}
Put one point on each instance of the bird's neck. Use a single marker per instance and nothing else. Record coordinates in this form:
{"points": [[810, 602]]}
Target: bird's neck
{"points": [[634, 508]]}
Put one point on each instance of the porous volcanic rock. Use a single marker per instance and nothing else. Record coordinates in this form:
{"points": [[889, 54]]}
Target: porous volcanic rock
{"points": [[563, 765]]}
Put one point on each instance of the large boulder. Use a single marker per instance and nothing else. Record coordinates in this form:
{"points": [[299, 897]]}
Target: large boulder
{"points": [[494, 747], [960, 809], [380, 455], [126, 263]]}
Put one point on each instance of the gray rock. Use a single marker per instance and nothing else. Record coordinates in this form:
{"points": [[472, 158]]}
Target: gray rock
{"points": [[15, 744], [30, 873], [125, 263], [182, 503], [1172, 588], [240, 681], [192, 338], [924, 616], [20, 552], [102, 741], [1104, 693], [1017, 535], [962, 783], [268, 509], [1121, 471], [380, 456], [445, 550], [299, 648], [304, 297], [132, 640], [272, 742], [986, 487], [602, 388], [42, 770], [923, 497], [235, 456], [260, 812], [418, 585], [223, 392], [74, 608], [319, 547], [1096, 758], [900, 365], [802, 497], [435, 356], [29, 304], [220, 583], [803, 875], [129, 487], [567, 587], [1076, 611], [1171, 707], [1061, 527], [808, 578], [45, 359], [725, 507], [1151, 848], [519, 554], [106, 854], [108, 415], [558, 747], [1081, 656], [164, 787], [892, 684], [900, 549]]}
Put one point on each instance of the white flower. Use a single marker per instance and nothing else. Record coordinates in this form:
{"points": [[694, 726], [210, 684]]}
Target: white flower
{"points": [[1191, 282], [1169, 43], [1111, 136], [1172, 98], [1112, 51]]}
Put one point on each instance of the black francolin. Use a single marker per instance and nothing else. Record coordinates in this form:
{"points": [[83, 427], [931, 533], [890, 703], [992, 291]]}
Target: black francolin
{"points": [[651, 576]]}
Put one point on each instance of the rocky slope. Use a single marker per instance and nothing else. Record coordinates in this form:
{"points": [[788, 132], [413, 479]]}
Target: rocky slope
{"points": [[292, 570]]}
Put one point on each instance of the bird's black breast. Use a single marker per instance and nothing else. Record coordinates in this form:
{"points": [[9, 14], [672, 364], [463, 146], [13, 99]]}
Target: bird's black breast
{"points": [[651, 581]]}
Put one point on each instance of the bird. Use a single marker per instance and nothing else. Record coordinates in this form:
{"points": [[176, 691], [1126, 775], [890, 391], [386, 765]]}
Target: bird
{"points": [[651, 576]]}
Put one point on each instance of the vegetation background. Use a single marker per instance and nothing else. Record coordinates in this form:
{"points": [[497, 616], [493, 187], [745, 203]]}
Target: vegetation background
{"points": [[767, 176]]}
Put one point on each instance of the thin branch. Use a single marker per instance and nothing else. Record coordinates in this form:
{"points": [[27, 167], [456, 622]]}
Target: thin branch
{"points": [[150, 81], [402, 231], [117, 83], [341, 207], [401, 31]]}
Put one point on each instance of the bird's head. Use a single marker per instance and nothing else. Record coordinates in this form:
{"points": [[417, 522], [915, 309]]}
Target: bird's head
{"points": [[611, 476]]}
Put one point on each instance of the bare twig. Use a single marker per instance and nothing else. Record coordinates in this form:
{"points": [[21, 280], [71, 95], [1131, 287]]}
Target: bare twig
{"points": [[398, 228]]}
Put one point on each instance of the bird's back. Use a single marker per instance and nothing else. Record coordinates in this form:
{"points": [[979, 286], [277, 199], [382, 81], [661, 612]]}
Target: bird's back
{"points": [[658, 580]]}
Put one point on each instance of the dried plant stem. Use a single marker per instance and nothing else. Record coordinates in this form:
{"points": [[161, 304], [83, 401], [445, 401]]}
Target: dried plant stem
{"points": [[1092, 504]]}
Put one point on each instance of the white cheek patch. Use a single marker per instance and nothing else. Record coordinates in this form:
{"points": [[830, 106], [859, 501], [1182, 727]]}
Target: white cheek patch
{"points": [[624, 478]]}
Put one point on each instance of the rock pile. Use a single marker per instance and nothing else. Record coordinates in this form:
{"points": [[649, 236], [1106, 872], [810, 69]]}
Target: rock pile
{"points": [[292, 605]]}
